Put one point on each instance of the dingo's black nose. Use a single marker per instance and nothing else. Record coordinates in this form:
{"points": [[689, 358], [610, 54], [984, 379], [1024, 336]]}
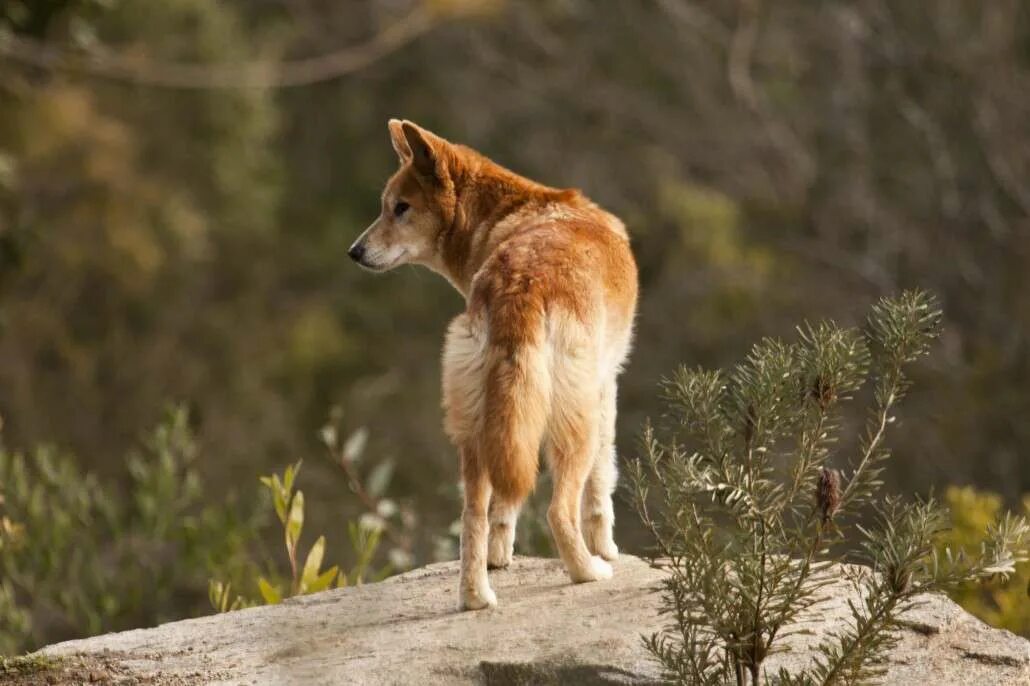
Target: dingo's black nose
{"points": [[356, 252]]}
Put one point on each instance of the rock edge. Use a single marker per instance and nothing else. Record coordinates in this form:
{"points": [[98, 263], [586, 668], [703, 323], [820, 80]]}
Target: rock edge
{"points": [[406, 630]]}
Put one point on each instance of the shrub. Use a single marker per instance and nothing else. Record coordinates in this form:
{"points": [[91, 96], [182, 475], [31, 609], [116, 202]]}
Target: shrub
{"points": [[1001, 602], [78, 556], [746, 513]]}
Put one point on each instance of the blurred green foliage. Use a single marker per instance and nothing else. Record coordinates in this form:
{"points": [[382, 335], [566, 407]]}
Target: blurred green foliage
{"points": [[80, 555], [77, 557], [190, 243], [1006, 602]]}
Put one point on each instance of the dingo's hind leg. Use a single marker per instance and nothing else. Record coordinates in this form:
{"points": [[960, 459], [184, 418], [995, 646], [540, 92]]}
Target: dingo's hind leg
{"points": [[571, 447], [474, 592], [598, 511]]}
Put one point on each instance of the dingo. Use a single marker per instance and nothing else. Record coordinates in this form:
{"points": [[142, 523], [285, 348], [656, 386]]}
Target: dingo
{"points": [[551, 287]]}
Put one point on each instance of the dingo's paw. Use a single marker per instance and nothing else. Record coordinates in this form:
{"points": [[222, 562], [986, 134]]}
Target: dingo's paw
{"points": [[499, 554], [602, 569], [597, 533], [473, 599], [597, 570], [607, 550]]}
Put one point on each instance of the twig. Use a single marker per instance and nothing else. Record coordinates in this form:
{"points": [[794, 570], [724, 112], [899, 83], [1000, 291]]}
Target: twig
{"points": [[370, 502], [192, 75], [875, 440], [742, 47]]}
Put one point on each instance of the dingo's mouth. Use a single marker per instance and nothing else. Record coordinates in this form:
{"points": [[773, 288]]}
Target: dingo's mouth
{"points": [[370, 262]]}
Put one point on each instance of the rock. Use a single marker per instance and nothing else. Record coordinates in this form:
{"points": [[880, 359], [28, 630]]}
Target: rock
{"points": [[406, 630]]}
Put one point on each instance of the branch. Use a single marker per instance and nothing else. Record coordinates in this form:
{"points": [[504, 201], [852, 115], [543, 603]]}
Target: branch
{"points": [[370, 502], [742, 47], [194, 75], [1011, 183], [871, 455]]}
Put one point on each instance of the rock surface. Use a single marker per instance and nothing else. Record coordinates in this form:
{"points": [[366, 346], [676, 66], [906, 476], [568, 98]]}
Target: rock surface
{"points": [[546, 631]]}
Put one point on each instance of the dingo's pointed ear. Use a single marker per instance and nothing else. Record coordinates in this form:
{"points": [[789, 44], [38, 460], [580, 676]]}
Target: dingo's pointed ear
{"points": [[423, 154], [400, 143]]}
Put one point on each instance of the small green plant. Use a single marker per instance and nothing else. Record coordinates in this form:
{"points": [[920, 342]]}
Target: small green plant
{"points": [[289, 507], [307, 576], [747, 514], [1000, 602]]}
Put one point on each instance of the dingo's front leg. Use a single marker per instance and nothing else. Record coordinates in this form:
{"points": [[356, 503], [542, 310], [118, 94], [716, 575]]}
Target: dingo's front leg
{"points": [[571, 456], [503, 518], [598, 511]]}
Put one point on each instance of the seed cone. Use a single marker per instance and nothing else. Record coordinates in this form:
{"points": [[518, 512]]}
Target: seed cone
{"points": [[828, 493]]}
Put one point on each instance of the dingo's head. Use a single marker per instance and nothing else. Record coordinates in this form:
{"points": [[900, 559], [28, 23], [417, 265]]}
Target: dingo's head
{"points": [[417, 203]]}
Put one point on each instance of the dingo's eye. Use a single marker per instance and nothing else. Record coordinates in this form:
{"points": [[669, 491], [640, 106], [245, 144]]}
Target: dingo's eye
{"points": [[400, 208]]}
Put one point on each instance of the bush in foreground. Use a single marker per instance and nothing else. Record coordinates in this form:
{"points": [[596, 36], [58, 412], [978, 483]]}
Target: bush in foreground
{"points": [[746, 512]]}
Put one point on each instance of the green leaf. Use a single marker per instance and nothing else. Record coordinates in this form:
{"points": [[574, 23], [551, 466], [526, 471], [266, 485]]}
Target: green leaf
{"points": [[323, 580], [291, 473], [355, 445], [313, 563], [379, 479], [280, 495], [280, 504], [295, 522], [215, 594], [269, 592], [381, 574]]}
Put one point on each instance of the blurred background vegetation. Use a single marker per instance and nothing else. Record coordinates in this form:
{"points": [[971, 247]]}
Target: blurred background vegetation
{"points": [[180, 179]]}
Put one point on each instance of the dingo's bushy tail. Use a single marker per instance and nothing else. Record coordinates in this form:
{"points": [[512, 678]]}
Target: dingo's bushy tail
{"points": [[516, 411]]}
